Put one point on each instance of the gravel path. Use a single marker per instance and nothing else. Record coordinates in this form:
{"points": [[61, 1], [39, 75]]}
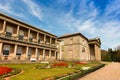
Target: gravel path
{"points": [[109, 72]]}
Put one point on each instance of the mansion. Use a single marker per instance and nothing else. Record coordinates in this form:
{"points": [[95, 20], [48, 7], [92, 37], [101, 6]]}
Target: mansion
{"points": [[23, 42]]}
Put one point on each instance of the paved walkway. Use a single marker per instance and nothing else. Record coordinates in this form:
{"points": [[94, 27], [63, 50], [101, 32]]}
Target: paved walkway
{"points": [[109, 72]]}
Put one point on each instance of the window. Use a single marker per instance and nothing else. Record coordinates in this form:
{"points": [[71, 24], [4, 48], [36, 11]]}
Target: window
{"points": [[8, 34], [30, 39], [83, 49], [29, 52], [9, 31], [21, 35], [6, 49], [19, 51], [5, 52]]}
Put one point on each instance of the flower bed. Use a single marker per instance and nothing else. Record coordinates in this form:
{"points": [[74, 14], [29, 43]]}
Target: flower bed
{"points": [[60, 64], [5, 70], [80, 63]]}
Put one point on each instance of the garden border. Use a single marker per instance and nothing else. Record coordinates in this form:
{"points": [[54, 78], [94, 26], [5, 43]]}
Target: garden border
{"points": [[80, 74]]}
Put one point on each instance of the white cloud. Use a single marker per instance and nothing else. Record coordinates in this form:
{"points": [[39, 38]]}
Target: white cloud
{"points": [[85, 20], [6, 7], [87, 26], [88, 22], [34, 9]]}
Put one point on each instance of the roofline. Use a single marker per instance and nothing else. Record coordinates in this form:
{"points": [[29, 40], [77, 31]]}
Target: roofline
{"points": [[95, 39], [72, 35], [2, 14]]}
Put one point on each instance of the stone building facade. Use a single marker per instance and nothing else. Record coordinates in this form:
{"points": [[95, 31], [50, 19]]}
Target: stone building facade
{"points": [[22, 42], [76, 47]]}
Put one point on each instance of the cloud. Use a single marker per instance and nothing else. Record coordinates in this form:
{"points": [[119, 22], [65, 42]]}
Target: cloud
{"points": [[73, 16], [91, 23], [34, 9], [7, 7], [113, 9]]}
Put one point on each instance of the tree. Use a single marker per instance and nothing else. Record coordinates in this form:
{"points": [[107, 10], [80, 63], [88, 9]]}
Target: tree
{"points": [[103, 54], [117, 54]]}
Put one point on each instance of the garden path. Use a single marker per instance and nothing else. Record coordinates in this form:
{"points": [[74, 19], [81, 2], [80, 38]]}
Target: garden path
{"points": [[109, 72]]}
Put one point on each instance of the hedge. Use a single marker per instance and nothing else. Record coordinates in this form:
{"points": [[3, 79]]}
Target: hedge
{"points": [[80, 74]]}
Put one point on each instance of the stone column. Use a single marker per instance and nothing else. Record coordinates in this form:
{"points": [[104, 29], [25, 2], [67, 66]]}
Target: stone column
{"points": [[55, 55], [43, 54], [55, 41], [37, 37], [50, 41], [28, 34], [4, 25], [36, 53], [18, 28], [49, 54], [17, 34], [97, 53], [44, 38], [15, 50], [27, 48], [1, 45]]}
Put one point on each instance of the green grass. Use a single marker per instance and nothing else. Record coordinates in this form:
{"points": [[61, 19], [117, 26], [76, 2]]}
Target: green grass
{"points": [[31, 73]]}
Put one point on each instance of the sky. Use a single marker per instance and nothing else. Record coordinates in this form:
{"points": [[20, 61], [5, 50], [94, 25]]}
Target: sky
{"points": [[92, 18]]}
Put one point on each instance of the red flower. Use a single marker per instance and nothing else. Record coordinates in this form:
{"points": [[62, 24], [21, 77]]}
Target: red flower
{"points": [[60, 64], [4, 70], [80, 62]]}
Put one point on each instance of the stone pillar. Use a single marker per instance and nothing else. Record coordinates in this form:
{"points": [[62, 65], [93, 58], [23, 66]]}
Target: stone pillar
{"points": [[36, 53], [28, 34], [37, 37], [44, 38], [18, 28], [55, 41], [55, 55], [15, 50], [4, 25], [27, 48], [50, 41], [43, 54], [50, 54], [1, 45], [97, 53]]}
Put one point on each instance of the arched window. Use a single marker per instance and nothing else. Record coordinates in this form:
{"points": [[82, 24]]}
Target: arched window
{"points": [[83, 49]]}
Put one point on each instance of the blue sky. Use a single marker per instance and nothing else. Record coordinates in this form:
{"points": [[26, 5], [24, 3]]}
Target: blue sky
{"points": [[93, 18]]}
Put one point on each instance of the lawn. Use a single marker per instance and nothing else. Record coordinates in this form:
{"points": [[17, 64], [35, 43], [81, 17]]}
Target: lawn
{"points": [[31, 73]]}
